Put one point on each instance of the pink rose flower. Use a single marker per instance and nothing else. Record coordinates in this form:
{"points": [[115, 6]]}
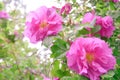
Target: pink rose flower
{"points": [[90, 57], [50, 79], [16, 33], [88, 17], [106, 24], [115, 1], [46, 78], [98, 20], [66, 9], [41, 23], [56, 79], [4, 15], [107, 27]]}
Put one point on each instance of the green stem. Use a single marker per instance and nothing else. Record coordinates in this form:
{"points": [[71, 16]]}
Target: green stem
{"points": [[15, 58]]}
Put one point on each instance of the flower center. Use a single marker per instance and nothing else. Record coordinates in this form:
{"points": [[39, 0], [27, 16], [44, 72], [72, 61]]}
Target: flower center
{"points": [[89, 57], [66, 9], [43, 24]]}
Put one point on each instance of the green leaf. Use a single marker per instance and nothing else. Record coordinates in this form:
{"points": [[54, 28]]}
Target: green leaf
{"points": [[118, 61], [61, 43], [110, 74], [74, 1], [11, 37], [82, 32], [3, 52], [31, 77], [3, 23], [1, 5], [118, 19], [117, 73], [112, 6], [59, 47], [60, 73], [96, 29], [1, 41], [56, 65], [67, 78], [56, 51], [76, 77]]}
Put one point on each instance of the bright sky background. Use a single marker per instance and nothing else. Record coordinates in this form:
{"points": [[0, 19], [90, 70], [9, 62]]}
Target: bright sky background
{"points": [[34, 4]]}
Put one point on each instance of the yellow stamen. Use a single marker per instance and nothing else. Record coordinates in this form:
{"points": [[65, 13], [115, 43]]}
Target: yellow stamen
{"points": [[43, 24], [89, 57]]}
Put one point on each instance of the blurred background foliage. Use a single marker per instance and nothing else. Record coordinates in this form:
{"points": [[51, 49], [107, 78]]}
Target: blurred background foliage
{"points": [[20, 62]]}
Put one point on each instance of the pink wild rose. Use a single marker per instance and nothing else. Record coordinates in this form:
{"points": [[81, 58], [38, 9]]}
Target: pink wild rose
{"points": [[106, 24], [90, 57], [66, 9], [46, 78], [107, 27], [56, 78], [88, 18], [115, 1], [42, 23], [16, 33], [4, 15], [50, 79]]}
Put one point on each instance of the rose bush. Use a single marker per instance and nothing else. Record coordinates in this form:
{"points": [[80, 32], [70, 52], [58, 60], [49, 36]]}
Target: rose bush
{"points": [[79, 41], [105, 23]]}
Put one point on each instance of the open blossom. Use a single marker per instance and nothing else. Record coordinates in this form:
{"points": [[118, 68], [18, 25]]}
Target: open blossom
{"points": [[90, 57], [106, 24], [41, 23], [115, 1], [88, 17], [66, 9], [4, 15], [107, 27]]}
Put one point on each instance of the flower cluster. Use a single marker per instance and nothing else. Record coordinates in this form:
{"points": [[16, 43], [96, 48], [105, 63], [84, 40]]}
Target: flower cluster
{"points": [[90, 57], [115, 1], [105, 23], [66, 9]]}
